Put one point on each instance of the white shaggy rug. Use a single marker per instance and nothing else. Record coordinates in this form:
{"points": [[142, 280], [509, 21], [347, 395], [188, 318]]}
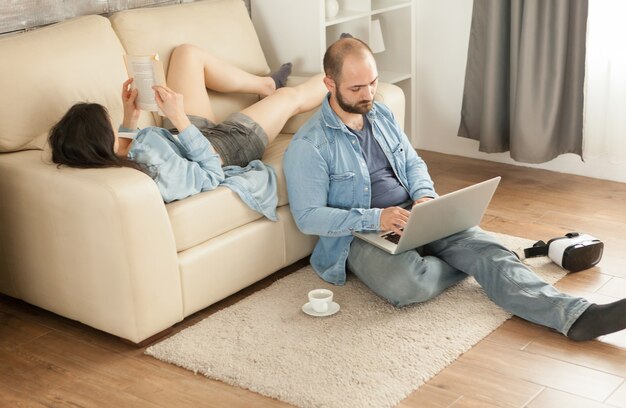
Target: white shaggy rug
{"points": [[369, 354]]}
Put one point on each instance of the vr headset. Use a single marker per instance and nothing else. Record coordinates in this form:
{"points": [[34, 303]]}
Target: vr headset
{"points": [[574, 252]]}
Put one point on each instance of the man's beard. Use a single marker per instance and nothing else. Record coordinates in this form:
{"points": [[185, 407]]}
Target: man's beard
{"points": [[361, 107]]}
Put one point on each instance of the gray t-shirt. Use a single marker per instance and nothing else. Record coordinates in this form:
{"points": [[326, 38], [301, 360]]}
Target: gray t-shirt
{"points": [[386, 189]]}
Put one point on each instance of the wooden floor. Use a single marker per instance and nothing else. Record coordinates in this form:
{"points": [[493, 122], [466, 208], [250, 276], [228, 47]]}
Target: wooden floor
{"points": [[46, 360]]}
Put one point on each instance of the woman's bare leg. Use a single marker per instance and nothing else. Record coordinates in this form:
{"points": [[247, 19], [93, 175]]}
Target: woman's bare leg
{"points": [[192, 70], [272, 112]]}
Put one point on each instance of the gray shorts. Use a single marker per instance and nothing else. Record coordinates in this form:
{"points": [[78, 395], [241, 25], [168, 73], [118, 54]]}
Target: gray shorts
{"points": [[238, 139]]}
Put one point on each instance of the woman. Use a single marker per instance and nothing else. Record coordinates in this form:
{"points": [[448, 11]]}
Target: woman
{"points": [[186, 156]]}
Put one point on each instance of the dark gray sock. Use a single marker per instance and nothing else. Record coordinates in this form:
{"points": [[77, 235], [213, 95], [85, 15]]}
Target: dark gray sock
{"points": [[281, 74], [346, 35], [599, 320]]}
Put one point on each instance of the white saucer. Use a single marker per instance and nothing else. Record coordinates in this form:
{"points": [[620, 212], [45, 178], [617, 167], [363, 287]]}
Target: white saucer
{"points": [[332, 309]]}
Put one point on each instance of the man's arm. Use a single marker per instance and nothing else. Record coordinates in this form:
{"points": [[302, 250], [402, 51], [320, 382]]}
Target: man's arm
{"points": [[308, 186], [422, 200]]}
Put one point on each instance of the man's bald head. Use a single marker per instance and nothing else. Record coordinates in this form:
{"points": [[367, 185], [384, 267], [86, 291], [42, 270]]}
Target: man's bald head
{"points": [[338, 51]]}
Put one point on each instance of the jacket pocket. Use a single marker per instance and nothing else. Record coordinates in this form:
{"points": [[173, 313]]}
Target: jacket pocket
{"points": [[399, 157], [342, 190]]}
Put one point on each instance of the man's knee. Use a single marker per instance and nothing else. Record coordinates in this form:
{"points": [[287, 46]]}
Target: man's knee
{"points": [[409, 292]]}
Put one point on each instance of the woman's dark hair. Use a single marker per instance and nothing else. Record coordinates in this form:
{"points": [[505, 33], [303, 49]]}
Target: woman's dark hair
{"points": [[84, 138]]}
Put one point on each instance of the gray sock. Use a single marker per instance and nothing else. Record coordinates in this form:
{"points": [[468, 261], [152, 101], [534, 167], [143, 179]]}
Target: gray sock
{"points": [[345, 35], [280, 76]]}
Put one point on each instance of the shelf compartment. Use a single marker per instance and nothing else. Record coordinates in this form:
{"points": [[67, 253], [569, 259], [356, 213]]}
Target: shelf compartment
{"points": [[383, 6], [393, 77], [397, 33], [345, 16], [358, 28]]}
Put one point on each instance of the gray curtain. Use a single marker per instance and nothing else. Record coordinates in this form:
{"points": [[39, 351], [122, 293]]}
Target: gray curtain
{"points": [[524, 78]]}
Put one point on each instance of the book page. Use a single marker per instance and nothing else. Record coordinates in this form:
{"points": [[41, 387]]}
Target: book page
{"points": [[147, 71]]}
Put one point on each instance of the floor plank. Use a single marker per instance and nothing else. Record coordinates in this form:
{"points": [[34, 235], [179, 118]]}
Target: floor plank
{"points": [[430, 396], [471, 380], [549, 398], [590, 354], [516, 333], [10, 397], [618, 399], [615, 287], [545, 371]]}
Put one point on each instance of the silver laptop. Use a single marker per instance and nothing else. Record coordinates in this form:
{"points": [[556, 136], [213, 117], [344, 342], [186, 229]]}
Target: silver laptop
{"points": [[438, 218]]}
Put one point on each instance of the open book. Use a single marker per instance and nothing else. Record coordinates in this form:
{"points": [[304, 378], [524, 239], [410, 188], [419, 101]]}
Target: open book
{"points": [[147, 70]]}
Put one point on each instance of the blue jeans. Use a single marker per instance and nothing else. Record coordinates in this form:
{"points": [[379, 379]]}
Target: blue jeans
{"points": [[412, 278]]}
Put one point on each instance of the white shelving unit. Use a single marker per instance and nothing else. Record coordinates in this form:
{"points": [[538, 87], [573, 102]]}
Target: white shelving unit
{"points": [[298, 31]]}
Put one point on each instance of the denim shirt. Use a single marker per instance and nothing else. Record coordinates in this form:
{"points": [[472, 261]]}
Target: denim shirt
{"points": [[329, 187], [187, 164]]}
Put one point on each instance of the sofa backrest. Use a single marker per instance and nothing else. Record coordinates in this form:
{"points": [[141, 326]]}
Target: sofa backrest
{"points": [[221, 27], [47, 70]]}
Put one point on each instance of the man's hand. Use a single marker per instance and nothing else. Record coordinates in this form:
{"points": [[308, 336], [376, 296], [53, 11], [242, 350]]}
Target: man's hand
{"points": [[422, 200], [393, 219], [131, 113], [172, 106]]}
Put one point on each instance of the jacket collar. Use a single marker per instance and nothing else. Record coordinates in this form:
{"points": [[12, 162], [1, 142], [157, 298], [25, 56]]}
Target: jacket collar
{"points": [[331, 119]]}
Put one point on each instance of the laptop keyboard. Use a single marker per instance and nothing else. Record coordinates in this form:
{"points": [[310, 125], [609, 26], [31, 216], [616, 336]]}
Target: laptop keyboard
{"points": [[392, 236]]}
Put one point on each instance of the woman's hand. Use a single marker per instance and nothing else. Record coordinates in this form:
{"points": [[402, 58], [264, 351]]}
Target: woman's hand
{"points": [[172, 106], [131, 112]]}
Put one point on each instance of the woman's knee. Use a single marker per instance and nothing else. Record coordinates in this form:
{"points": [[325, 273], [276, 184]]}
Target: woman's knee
{"points": [[185, 52], [287, 93], [286, 100]]}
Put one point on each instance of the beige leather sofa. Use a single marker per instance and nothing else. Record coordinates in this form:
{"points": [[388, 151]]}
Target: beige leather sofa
{"points": [[100, 246]]}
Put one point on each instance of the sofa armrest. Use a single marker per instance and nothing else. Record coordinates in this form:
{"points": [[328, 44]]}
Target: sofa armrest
{"points": [[389, 94], [92, 245]]}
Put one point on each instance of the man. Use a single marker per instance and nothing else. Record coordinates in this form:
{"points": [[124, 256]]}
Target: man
{"points": [[351, 168]]}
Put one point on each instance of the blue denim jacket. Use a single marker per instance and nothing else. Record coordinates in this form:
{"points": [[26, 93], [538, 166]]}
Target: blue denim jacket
{"points": [[329, 184], [187, 164]]}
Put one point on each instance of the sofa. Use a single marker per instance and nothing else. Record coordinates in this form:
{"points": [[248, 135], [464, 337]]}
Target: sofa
{"points": [[99, 245]]}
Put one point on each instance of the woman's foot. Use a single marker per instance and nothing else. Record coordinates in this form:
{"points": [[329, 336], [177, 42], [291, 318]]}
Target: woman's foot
{"points": [[281, 74]]}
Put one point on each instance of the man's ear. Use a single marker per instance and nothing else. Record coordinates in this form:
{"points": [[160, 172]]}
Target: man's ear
{"points": [[330, 84]]}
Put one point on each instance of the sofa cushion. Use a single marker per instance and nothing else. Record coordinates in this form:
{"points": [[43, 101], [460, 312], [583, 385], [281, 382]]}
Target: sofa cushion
{"points": [[274, 157], [47, 70], [203, 216], [221, 27]]}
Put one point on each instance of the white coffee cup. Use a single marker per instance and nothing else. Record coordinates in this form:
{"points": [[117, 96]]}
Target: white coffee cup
{"points": [[320, 300]]}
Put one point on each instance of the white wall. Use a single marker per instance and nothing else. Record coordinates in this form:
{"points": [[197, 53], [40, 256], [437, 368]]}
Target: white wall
{"points": [[442, 30]]}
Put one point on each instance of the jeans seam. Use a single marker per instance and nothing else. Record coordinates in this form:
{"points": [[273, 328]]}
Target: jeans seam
{"points": [[571, 316]]}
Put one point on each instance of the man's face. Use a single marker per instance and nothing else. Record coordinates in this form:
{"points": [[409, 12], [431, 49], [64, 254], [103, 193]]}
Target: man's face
{"points": [[355, 91]]}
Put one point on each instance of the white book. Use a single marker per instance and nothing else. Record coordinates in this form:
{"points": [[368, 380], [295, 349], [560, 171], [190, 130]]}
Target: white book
{"points": [[147, 71]]}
